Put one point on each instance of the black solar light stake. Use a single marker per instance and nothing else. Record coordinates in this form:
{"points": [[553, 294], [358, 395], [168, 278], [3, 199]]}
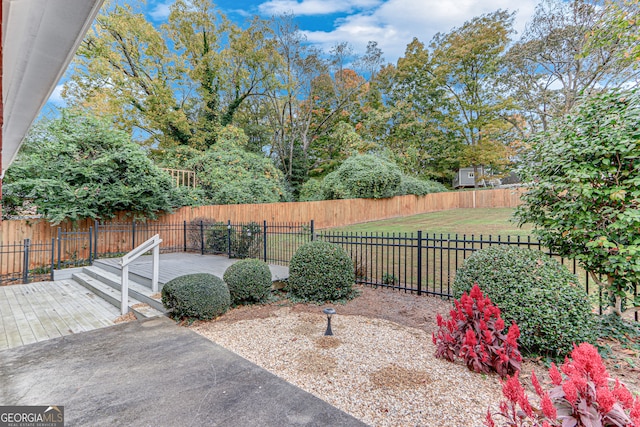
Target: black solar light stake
{"points": [[329, 312]]}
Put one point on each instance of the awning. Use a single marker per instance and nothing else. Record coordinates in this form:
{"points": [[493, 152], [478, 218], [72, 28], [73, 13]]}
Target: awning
{"points": [[39, 39]]}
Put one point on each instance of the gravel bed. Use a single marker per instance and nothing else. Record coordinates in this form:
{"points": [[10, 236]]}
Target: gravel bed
{"points": [[378, 371]]}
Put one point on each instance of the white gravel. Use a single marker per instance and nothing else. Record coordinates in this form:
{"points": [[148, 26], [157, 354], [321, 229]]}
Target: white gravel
{"points": [[380, 372]]}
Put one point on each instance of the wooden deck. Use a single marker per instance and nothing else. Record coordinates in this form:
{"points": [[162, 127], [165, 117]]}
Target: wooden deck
{"points": [[45, 310]]}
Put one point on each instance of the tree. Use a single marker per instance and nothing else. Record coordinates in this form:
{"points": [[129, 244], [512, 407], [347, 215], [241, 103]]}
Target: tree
{"points": [[414, 121], [178, 84], [570, 50], [584, 190], [467, 63], [79, 166]]}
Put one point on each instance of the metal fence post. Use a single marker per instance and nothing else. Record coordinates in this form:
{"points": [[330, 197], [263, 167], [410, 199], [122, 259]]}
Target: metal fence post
{"points": [[312, 231], [95, 239], [53, 256], [264, 238], [90, 245], [25, 267], [184, 237], [201, 237], [229, 238], [133, 234], [419, 262], [59, 246]]}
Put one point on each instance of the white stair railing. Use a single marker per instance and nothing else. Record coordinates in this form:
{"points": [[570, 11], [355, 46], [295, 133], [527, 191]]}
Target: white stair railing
{"points": [[151, 244]]}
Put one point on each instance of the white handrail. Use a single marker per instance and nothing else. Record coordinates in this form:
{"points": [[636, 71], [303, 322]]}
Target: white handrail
{"points": [[151, 244]]}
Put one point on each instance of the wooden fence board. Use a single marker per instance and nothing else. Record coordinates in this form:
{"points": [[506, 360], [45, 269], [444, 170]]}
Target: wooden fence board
{"points": [[326, 213]]}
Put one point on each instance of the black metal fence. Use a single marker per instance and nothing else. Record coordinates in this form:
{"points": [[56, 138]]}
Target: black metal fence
{"points": [[27, 261], [419, 262], [424, 263]]}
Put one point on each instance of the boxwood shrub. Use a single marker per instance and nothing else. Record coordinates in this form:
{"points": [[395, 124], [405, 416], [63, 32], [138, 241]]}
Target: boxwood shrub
{"points": [[535, 291], [249, 281], [196, 296], [320, 272]]}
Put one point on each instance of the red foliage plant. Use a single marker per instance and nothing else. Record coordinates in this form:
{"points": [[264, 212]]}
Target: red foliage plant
{"points": [[475, 333], [584, 397]]}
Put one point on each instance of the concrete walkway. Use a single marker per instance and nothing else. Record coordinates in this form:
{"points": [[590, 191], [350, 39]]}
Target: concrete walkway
{"points": [[154, 373]]}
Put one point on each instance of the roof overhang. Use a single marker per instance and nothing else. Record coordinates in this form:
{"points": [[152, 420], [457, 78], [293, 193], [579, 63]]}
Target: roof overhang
{"points": [[39, 39]]}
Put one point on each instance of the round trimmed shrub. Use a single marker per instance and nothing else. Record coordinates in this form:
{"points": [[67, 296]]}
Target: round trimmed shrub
{"points": [[196, 296], [535, 291], [320, 272], [249, 281]]}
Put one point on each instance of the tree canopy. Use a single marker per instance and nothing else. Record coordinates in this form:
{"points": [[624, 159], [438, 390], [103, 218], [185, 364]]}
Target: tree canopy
{"points": [[468, 97], [79, 166]]}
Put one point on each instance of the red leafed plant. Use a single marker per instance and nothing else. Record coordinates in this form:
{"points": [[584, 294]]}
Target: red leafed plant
{"points": [[584, 397], [474, 333]]}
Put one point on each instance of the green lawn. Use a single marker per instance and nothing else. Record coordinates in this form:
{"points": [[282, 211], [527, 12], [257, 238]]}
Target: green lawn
{"points": [[489, 221]]}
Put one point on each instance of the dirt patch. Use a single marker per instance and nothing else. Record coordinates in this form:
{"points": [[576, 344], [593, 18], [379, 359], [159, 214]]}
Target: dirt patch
{"points": [[310, 362], [327, 342], [397, 377], [305, 329], [129, 317]]}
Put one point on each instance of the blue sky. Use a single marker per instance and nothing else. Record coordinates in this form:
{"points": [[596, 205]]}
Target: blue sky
{"points": [[392, 23]]}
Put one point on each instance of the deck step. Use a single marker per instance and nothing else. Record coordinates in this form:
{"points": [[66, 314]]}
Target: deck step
{"points": [[112, 295], [112, 266], [138, 291]]}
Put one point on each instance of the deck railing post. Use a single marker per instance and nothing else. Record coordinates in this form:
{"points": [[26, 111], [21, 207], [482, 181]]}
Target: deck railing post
{"points": [[264, 238], [25, 266], [312, 231], [124, 283], [155, 266]]}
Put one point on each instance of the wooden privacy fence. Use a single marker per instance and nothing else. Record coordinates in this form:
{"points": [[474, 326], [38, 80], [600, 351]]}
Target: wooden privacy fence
{"points": [[325, 214], [338, 213]]}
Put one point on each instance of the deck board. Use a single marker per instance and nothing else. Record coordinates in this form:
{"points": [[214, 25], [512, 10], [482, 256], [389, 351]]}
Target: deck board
{"points": [[45, 310]]}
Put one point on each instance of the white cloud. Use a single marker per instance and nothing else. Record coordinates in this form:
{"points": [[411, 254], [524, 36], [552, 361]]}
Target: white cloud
{"points": [[315, 7], [56, 97], [161, 11], [394, 23]]}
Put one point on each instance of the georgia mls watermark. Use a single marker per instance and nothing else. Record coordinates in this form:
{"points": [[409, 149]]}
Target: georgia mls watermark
{"points": [[31, 416]]}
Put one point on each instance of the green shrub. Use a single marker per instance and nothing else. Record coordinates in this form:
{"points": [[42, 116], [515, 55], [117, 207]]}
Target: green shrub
{"points": [[246, 242], [216, 237], [412, 185], [311, 191], [363, 176], [249, 281], [196, 296], [321, 271], [535, 291]]}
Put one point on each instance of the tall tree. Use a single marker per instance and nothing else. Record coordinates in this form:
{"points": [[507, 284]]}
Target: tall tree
{"points": [[569, 50], [179, 83], [466, 64]]}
